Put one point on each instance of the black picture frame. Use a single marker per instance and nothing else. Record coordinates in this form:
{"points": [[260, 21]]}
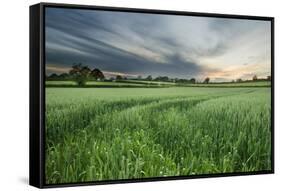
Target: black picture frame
{"points": [[37, 93]]}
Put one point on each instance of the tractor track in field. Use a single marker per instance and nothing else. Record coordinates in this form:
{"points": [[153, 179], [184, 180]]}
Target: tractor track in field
{"points": [[117, 108]]}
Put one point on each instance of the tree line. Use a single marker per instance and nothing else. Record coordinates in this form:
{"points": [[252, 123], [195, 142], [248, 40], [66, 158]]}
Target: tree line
{"points": [[81, 74]]}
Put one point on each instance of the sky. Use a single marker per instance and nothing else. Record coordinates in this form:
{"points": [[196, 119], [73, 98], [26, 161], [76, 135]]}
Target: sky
{"points": [[137, 44]]}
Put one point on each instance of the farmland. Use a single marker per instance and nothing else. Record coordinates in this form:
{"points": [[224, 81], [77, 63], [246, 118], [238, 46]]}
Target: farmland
{"points": [[153, 84], [127, 83], [123, 133]]}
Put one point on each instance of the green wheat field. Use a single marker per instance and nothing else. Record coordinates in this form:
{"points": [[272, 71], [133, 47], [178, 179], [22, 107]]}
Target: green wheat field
{"points": [[97, 134]]}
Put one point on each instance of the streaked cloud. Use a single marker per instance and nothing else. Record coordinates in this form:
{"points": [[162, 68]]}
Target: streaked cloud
{"points": [[152, 44]]}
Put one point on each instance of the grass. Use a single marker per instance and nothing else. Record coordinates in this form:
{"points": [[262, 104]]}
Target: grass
{"points": [[108, 133]]}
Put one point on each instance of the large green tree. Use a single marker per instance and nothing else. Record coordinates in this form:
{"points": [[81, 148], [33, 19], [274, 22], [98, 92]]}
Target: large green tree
{"points": [[97, 74], [80, 73]]}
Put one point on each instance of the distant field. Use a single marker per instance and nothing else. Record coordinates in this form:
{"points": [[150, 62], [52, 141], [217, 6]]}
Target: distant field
{"points": [[60, 83], [130, 83], [149, 82], [117, 133], [242, 84], [139, 83]]}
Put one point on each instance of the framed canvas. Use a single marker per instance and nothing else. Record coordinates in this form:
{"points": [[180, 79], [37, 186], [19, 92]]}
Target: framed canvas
{"points": [[123, 95]]}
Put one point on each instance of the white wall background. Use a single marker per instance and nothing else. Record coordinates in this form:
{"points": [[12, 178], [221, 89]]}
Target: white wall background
{"points": [[14, 88]]}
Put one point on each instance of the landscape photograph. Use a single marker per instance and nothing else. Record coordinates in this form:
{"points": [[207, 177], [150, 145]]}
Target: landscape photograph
{"points": [[140, 95]]}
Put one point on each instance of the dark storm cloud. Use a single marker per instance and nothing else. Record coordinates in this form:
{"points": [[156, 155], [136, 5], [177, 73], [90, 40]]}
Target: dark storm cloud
{"points": [[110, 58], [131, 43], [72, 37]]}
